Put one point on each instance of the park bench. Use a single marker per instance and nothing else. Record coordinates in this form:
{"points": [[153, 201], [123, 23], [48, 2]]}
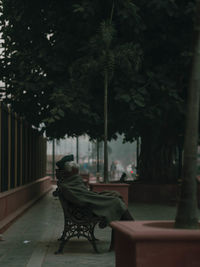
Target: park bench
{"points": [[78, 221]]}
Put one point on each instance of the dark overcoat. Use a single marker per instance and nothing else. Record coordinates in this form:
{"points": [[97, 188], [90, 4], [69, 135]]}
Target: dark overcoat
{"points": [[107, 205]]}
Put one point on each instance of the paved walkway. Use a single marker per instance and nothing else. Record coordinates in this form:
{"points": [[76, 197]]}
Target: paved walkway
{"points": [[32, 240]]}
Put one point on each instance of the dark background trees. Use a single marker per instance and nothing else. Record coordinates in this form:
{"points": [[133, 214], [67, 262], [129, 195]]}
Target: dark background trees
{"points": [[166, 43], [53, 72]]}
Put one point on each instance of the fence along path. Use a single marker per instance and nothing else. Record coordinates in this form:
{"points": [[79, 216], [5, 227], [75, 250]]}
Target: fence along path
{"points": [[22, 151]]}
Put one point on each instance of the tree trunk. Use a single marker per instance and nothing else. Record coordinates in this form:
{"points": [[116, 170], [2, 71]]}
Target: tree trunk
{"points": [[106, 127], [77, 150], [53, 159], [187, 212], [137, 154], [98, 167]]}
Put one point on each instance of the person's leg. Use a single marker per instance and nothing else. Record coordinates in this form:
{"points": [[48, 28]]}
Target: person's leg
{"points": [[112, 241], [126, 216]]}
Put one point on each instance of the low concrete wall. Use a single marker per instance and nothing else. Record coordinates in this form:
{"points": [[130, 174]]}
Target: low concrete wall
{"points": [[16, 201], [153, 193], [156, 193]]}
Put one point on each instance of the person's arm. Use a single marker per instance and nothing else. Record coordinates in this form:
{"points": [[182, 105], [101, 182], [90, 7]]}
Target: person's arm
{"points": [[69, 196]]}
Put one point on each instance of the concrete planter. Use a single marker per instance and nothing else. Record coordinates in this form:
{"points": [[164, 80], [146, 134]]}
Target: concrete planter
{"points": [[123, 189], [155, 244]]}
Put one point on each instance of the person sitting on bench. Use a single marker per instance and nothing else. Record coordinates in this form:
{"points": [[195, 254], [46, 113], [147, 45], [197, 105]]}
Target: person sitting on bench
{"points": [[107, 204]]}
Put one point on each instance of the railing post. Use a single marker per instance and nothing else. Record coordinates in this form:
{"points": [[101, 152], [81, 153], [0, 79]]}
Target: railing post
{"points": [[21, 152], [16, 149], [9, 147], [0, 147]]}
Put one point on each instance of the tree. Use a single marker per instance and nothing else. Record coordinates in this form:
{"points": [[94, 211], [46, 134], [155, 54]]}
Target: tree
{"points": [[43, 52], [54, 72], [187, 212], [100, 60], [166, 44], [39, 54]]}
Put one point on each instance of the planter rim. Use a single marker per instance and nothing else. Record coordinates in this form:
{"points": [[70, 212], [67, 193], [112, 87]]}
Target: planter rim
{"points": [[154, 231], [110, 184]]}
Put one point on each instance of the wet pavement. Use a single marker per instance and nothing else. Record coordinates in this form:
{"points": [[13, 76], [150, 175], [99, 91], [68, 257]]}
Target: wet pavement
{"points": [[32, 239]]}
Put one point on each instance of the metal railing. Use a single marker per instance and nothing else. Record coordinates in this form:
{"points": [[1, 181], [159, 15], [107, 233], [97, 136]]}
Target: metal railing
{"points": [[22, 151]]}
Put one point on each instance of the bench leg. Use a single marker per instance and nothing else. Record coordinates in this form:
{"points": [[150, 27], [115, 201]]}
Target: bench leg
{"points": [[62, 244], [91, 237], [63, 239], [94, 245], [63, 235], [74, 230]]}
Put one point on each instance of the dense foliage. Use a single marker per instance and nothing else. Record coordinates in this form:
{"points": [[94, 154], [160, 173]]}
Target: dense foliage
{"points": [[55, 59], [167, 44], [45, 42]]}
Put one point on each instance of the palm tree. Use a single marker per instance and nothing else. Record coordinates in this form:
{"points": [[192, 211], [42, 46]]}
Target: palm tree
{"points": [[107, 58], [102, 55], [107, 31]]}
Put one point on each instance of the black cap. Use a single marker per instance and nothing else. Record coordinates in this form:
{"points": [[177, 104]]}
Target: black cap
{"points": [[61, 163]]}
